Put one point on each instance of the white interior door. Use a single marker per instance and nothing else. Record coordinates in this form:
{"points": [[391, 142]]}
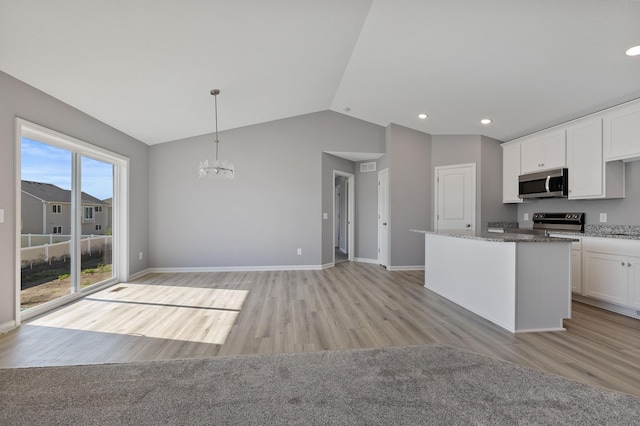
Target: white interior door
{"points": [[455, 197], [383, 217]]}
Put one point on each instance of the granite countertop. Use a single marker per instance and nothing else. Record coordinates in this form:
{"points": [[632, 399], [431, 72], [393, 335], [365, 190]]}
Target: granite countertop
{"points": [[498, 237], [623, 232]]}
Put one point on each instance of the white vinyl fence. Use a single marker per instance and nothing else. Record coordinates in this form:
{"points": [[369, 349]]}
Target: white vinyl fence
{"points": [[38, 248]]}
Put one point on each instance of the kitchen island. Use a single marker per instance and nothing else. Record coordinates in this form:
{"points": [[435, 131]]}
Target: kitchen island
{"points": [[520, 282]]}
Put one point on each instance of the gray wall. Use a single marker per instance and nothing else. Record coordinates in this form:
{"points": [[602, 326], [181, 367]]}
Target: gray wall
{"points": [[410, 192], [625, 211], [366, 213], [272, 207], [21, 100], [487, 154], [492, 207]]}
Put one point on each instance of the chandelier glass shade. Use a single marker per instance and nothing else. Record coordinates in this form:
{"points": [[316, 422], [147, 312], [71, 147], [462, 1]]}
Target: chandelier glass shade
{"points": [[216, 169]]}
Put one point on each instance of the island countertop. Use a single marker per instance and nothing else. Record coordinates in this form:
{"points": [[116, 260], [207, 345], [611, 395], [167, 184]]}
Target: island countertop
{"points": [[498, 237]]}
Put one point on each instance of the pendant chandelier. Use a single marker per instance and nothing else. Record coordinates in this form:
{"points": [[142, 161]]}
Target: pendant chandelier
{"points": [[217, 169]]}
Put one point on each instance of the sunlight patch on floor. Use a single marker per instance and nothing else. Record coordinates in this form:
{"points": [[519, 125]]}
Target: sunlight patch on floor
{"points": [[190, 314]]}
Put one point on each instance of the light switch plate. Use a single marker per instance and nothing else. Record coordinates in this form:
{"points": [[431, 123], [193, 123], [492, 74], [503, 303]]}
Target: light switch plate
{"points": [[1, 215], [325, 216], [526, 216], [603, 217]]}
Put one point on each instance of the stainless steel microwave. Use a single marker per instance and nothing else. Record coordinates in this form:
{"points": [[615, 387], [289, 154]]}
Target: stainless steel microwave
{"points": [[547, 184]]}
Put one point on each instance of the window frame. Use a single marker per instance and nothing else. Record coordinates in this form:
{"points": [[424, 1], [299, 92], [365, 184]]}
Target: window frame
{"points": [[56, 208], [120, 206]]}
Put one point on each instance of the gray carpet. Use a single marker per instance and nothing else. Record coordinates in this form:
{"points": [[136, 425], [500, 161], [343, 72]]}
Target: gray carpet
{"points": [[431, 384]]}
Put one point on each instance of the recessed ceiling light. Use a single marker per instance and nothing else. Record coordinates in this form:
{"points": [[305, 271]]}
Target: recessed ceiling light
{"points": [[422, 116], [633, 51], [485, 121]]}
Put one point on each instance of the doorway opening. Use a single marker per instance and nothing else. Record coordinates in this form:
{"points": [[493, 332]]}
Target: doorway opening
{"points": [[343, 217]]}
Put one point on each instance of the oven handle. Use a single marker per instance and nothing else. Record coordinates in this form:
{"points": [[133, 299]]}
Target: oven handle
{"points": [[546, 183]]}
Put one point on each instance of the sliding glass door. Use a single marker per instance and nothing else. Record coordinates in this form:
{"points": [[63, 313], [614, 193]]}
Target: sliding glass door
{"points": [[70, 230]]}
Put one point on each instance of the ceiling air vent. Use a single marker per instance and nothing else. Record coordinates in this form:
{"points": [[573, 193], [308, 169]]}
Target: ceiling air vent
{"points": [[368, 167]]}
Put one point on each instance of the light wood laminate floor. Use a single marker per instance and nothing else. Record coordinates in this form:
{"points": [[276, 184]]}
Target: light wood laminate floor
{"points": [[354, 305]]}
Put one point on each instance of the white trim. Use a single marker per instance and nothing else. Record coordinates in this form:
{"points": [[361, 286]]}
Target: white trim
{"points": [[622, 310], [120, 207], [351, 219], [8, 326], [328, 265], [139, 274], [406, 268], [540, 330], [239, 268], [65, 300], [365, 260]]}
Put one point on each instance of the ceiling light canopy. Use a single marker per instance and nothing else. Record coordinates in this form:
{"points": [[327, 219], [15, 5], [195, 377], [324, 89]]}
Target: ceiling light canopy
{"points": [[633, 51], [422, 116], [486, 121], [217, 169]]}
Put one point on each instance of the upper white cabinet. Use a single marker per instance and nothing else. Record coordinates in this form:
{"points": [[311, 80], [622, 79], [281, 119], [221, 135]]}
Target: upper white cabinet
{"points": [[510, 173], [622, 132], [589, 175], [546, 150]]}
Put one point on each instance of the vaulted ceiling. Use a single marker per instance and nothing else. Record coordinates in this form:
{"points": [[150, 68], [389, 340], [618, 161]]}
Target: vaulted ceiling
{"points": [[146, 67]]}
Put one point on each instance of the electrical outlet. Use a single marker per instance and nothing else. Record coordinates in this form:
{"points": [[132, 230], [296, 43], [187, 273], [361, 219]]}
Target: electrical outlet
{"points": [[603, 217], [140, 256], [1, 215], [299, 252], [325, 216], [526, 216]]}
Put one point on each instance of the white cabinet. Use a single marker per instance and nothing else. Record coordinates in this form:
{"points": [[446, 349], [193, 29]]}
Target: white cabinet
{"points": [[611, 270], [576, 271], [510, 173], [589, 175], [605, 277], [543, 151], [633, 280], [622, 132], [576, 262]]}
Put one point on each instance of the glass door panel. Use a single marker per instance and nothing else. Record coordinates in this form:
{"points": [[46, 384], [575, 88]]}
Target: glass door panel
{"points": [[45, 254], [96, 244]]}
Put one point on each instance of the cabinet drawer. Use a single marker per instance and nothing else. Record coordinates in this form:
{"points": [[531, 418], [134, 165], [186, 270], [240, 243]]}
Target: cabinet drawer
{"points": [[612, 246]]}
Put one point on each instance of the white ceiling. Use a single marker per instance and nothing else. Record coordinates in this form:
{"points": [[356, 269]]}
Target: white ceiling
{"points": [[146, 67]]}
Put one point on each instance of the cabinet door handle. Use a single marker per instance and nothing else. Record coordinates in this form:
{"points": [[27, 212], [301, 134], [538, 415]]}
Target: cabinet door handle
{"points": [[629, 264], [622, 263]]}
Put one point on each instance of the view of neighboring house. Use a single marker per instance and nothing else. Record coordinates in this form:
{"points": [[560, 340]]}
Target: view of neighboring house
{"points": [[46, 209]]}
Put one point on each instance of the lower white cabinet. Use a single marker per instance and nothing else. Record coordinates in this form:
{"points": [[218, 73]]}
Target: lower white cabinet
{"points": [[605, 277], [611, 270], [576, 271], [633, 280]]}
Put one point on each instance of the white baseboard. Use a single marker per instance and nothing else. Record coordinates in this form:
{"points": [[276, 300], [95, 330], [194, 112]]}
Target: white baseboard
{"points": [[7, 326], [139, 274], [328, 265], [622, 310], [406, 268], [238, 269], [365, 260]]}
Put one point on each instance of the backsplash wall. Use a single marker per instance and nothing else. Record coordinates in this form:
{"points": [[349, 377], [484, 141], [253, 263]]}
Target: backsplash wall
{"points": [[625, 211]]}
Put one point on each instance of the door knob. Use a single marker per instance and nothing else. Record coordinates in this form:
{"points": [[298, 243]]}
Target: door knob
{"points": [[384, 223], [468, 225]]}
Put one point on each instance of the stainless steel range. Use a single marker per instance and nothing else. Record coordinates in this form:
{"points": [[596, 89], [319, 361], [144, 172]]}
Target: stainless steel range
{"points": [[545, 223], [568, 222]]}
